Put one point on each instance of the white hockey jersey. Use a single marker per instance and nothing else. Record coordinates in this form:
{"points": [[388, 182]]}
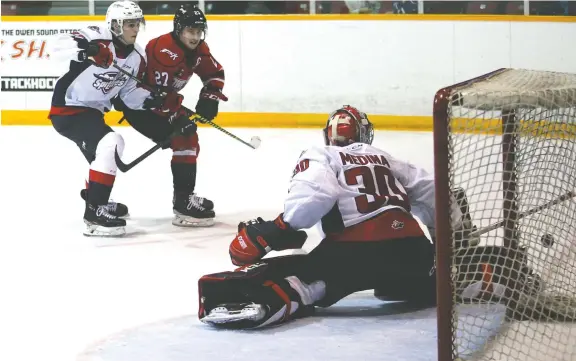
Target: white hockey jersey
{"points": [[86, 85], [345, 186]]}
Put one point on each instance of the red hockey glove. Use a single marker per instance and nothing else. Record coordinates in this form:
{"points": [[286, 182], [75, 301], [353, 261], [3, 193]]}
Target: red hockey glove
{"points": [[207, 106], [100, 54], [257, 238]]}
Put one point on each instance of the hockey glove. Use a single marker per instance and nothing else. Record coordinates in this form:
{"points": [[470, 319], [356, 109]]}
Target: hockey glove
{"points": [[257, 238], [99, 53], [182, 125], [165, 103], [207, 106]]}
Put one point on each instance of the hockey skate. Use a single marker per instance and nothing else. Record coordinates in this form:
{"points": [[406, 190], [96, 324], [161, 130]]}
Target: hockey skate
{"points": [[236, 315], [114, 208], [99, 222], [192, 211]]}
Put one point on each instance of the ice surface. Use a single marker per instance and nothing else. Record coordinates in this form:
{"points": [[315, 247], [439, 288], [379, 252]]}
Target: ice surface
{"points": [[65, 295]]}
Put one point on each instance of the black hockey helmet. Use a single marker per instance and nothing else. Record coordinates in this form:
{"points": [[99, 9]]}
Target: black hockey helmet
{"points": [[189, 16]]}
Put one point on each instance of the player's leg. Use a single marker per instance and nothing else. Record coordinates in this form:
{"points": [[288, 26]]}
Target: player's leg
{"points": [[399, 268], [279, 289], [98, 142], [189, 209]]}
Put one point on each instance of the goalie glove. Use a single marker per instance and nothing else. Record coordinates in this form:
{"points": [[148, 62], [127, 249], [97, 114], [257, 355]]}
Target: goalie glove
{"points": [[257, 237]]}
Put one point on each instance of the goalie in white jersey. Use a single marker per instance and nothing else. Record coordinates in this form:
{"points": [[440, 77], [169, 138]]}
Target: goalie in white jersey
{"points": [[362, 197], [84, 94]]}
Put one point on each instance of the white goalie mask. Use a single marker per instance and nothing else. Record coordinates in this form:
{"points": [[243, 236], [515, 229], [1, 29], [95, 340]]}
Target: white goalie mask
{"points": [[120, 11]]}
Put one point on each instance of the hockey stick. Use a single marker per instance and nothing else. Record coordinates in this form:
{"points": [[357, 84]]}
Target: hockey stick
{"points": [[254, 141], [562, 198], [126, 167]]}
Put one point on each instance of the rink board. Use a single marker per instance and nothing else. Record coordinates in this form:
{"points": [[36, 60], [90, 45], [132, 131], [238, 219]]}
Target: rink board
{"points": [[298, 81]]}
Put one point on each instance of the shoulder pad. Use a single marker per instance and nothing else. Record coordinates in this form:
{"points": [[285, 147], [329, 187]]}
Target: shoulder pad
{"points": [[165, 50], [94, 32], [140, 51], [203, 49], [315, 152]]}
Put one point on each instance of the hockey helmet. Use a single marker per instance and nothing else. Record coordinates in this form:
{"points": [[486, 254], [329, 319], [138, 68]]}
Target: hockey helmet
{"points": [[348, 125], [189, 16], [120, 11]]}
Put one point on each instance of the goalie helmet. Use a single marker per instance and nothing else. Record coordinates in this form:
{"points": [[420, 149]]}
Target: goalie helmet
{"points": [[120, 11], [348, 125], [189, 16]]}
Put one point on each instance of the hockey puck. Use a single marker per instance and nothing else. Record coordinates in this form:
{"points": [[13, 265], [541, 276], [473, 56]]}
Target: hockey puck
{"points": [[547, 240]]}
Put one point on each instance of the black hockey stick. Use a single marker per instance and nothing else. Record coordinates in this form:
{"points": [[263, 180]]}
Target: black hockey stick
{"points": [[126, 167], [254, 141], [560, 199]]}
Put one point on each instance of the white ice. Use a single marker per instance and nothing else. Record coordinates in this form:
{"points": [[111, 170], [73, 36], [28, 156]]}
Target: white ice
{"points": [[65, 297]]}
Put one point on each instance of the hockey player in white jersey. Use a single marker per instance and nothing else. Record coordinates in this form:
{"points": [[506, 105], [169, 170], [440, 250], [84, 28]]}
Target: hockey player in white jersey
{"points": [[361, 196], [83, 95]]}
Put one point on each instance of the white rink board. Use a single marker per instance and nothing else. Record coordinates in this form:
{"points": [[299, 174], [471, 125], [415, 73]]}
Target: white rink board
{"points": [[393, 67]]}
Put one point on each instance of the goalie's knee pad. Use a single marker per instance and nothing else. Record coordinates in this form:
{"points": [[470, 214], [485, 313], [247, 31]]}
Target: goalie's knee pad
{"points": [[104, 160]]}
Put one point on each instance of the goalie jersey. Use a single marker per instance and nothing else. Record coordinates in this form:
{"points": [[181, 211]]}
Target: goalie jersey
{"points": [[88, 86], [341, 187]]}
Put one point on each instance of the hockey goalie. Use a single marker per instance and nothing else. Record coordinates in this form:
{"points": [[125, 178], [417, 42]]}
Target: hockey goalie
{"points": [[374, 210]]}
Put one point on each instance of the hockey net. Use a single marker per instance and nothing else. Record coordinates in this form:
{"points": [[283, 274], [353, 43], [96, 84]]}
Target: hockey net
{"points": [[508, 139]]}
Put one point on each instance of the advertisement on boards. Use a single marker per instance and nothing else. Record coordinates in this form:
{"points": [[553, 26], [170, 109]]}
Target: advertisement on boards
{"points": [[30, 41]]}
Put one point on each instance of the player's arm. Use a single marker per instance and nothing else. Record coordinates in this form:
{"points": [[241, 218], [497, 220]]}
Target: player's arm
{"points": [[212, 75], [94, 43], [133, 95], [313, 192], [419, 185]]}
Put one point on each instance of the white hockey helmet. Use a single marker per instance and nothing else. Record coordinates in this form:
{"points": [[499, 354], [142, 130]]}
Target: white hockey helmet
{"points": [[123, 10]]}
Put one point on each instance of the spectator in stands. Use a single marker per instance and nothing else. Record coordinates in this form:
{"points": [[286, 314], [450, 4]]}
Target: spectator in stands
{"points": [[549, 7], [405, 7]]}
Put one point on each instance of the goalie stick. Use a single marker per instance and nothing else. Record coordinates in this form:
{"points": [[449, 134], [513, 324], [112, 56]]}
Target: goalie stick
{"points": [[562, 198]]}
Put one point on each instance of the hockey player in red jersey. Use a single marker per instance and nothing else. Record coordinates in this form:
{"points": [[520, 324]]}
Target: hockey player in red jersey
{"points": [[85, 93], [361, 197], [172, 60]]}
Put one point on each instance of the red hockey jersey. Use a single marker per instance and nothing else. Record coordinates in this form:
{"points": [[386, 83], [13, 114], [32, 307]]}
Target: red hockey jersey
{"points": [[170, 67]]}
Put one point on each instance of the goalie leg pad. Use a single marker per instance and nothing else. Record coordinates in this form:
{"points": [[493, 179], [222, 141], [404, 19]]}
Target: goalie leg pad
{"points": [[255, 296], [493, 272]]}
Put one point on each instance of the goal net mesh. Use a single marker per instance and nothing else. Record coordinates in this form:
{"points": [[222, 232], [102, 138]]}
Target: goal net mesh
{"points": [[511, 147]]}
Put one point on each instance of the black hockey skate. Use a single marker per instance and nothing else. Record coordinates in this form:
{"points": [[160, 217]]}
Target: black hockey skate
{"points": [[99, 222], [204, 202], [192, 211], [114, 208]]}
